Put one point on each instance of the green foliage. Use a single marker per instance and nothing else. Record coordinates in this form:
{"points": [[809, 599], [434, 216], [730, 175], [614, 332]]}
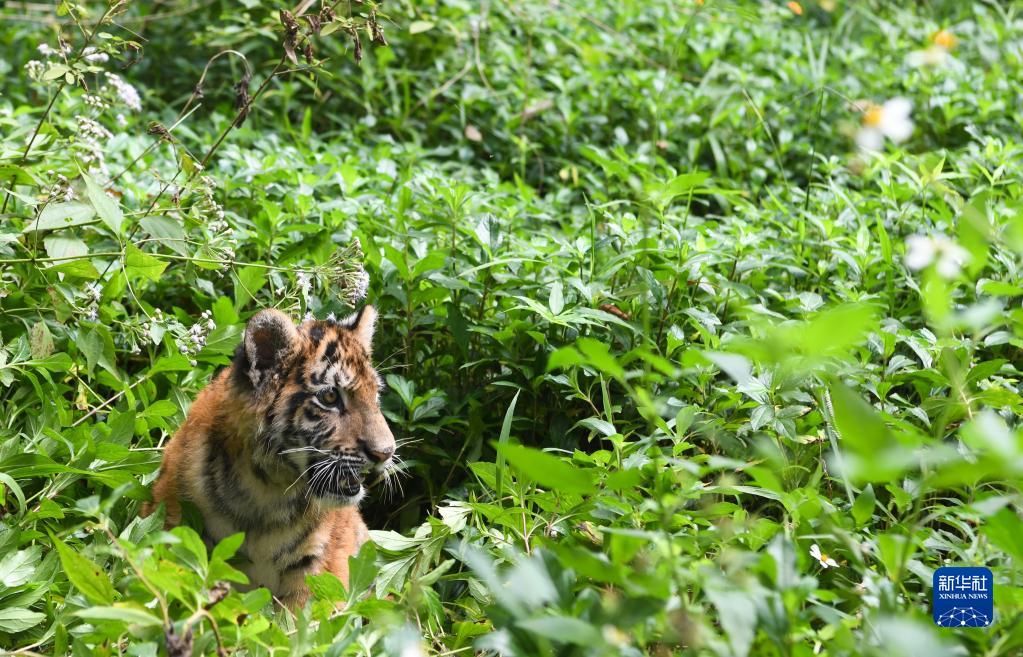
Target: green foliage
{"points": [[652, 325]]}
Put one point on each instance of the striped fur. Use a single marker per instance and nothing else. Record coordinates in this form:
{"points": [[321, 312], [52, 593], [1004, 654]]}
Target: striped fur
{"points": [[277, 446]]}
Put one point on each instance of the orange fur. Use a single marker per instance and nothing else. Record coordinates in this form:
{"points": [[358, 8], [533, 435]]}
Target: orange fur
{"points": [[276, 446]]}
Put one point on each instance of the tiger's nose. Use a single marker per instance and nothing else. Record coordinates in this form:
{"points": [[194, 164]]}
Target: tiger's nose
{"points": [[378, 454]]}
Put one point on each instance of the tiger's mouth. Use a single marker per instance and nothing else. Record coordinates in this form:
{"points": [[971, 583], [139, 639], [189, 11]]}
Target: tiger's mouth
{"points": [[337, 479]]}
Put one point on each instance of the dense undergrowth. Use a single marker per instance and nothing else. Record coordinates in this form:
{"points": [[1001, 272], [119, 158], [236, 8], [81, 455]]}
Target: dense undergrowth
{"points": [[653, 325]]}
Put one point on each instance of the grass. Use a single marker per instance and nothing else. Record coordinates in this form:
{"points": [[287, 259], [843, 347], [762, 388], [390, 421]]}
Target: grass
{"points": [[652, 324]]}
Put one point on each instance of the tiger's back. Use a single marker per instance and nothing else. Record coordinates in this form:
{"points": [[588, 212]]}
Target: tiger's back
{"points": [[278, 445]]}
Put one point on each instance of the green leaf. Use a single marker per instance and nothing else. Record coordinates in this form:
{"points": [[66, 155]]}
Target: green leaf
{"points": [[362, 569], [548, 471], [247, 282], [62, 215], [859, 425], [17, 567], [1005, 531], [863, 507], [97, 345], [228, 547], [8, 481], [167, 231], [599, 355], [59, 246], [418, 27], [108, 209], [56, 71], [40, 340], [18, 620], [557, 298], [502, 439], [139, 264], [126, 615], [86, 576], [563, 629]]}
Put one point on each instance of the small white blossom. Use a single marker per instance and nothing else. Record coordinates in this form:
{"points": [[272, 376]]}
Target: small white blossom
{"points": [[92, 100], [889, 120], [937, 54], [824, 560], [92, 55], [93, 292], [35, 69], [923, 250], [125, 92], [360, 286], [46, 50], [91, 130]]}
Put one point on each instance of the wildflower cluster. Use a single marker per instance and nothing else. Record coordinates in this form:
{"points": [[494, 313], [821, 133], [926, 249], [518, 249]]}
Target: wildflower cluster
{"points": [[344, 270], [61, 191], [93, 292], [192, 342]]}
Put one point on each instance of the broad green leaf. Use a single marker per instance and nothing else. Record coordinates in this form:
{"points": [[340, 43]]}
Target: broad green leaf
{"points": [[62, 215], [17, 567], [549, 471], [1005, 531], [418, 27], [86, 576], [56, 71], [167, 231], [139, 264], [556, 302], [109, 210], [126, 615], [863, 507], [64, 247], [859, 425], [228, 547], [599, 355], [18, 620], [563, 629]]}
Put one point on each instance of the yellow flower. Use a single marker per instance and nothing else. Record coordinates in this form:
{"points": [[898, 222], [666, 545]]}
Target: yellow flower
{"points": [[795, 8], [944, 39], [943, 42]]}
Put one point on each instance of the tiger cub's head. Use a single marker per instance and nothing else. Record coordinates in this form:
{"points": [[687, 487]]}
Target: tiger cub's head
{"points": [[316, 394]]}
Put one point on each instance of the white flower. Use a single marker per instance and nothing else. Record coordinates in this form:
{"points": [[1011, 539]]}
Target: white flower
{"points": [[360, 286], [890, 120], [93, 291], [35, 69], [125, 92], [92, 55], [825, 560], [949, 257], [932, 56], [939, 53]]}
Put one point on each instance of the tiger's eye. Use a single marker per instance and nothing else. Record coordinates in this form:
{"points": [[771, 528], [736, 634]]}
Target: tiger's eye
{"points": [[329, 396]]}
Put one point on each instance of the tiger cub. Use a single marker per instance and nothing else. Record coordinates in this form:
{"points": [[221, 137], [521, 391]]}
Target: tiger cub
{"points": [[278, 445]]}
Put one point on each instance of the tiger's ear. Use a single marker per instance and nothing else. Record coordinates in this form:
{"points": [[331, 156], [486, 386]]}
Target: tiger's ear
{"points": [[362, 325], [270, 338]]}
